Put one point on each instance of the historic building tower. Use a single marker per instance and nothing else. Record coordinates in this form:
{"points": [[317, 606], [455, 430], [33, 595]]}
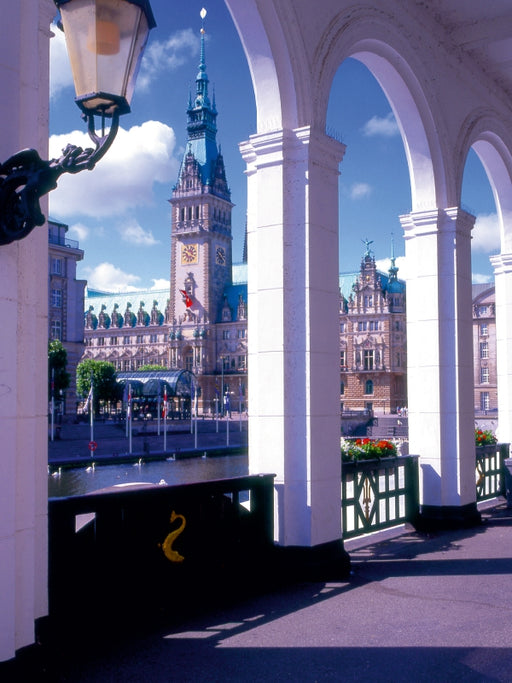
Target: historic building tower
{"points": [[201, 252], [201, 216], [199, 325]]}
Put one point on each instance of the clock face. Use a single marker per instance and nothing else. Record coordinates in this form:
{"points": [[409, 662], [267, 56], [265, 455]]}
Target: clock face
{"points": [[189, 253], [220, 256]]}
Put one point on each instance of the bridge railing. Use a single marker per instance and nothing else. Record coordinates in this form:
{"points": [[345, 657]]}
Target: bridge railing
{"points": [[148, 548], [490, 470], [379, 494]]}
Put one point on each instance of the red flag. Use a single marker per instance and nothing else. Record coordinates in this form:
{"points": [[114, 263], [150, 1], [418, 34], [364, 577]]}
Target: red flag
{"points": [[186, 298]]}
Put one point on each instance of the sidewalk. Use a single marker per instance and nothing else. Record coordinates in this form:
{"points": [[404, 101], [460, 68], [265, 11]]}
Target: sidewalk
{"points": [[416, 608], [72, 446]]}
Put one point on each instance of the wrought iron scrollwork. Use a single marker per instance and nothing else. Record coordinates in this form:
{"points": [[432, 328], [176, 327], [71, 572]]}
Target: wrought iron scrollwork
{"points": [[25, 178]]}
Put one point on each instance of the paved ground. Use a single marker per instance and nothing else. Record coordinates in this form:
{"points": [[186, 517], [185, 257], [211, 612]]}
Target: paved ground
{"points": [[72, 446], [416, 608]]}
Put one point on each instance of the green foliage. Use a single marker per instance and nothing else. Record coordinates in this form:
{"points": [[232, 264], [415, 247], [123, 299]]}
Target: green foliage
{"points": [[150, 368], [57, 373], [104, 381]]}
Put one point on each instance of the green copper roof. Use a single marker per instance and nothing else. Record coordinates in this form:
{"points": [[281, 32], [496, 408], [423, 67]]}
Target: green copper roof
{"points": [[201, 125]]}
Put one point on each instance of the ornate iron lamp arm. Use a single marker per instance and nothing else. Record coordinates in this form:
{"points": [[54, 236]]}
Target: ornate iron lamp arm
{"points": [[25, 178]]}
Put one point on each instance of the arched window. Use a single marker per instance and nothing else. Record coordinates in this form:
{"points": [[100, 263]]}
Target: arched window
{"points": [[342, 388], [368, 387]]}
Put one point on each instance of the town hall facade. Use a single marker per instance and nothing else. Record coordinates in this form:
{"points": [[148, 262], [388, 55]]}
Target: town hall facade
{"points": [[200, 324]]}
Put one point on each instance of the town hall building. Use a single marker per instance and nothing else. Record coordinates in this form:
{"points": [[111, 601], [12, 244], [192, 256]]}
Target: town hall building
{"points": [[200, 324]]}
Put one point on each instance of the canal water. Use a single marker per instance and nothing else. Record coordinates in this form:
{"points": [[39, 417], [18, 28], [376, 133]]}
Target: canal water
{"points": [[77, 481]]}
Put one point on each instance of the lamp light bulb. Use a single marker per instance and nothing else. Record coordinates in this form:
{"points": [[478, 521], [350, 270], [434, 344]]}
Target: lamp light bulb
{"points": [[105, 40]]}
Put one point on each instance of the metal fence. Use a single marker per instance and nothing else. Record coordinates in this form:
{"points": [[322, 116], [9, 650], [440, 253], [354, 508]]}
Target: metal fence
{"points": [[490, 474], [152, 548], [379, 494]]}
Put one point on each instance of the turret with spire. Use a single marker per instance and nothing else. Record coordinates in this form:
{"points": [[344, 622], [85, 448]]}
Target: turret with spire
{"points": [[202, 149], [201, 245]]}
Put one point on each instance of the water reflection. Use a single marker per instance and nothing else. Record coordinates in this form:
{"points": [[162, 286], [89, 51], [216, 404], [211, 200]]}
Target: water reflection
{"points": [[74, 482]]}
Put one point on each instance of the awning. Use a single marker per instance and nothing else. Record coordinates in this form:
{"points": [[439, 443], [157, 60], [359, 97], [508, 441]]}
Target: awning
{"points": [[153, 382]]}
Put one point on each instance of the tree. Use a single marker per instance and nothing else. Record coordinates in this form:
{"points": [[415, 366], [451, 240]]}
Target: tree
{"points": [[150, 368], [105, 387], [57, 373]]}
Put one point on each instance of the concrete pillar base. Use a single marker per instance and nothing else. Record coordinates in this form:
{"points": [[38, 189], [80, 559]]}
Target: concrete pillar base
{"points": [[439, 518], [325, 562]]}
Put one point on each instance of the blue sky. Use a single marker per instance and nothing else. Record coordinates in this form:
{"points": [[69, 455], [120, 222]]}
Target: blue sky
{"points": [[120, 212]]}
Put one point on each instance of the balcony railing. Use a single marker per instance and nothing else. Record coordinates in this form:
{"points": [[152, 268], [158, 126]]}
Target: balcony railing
{"points": [[490, 475], [379, 494], [382, 494], [141, 548], [63, 241]]}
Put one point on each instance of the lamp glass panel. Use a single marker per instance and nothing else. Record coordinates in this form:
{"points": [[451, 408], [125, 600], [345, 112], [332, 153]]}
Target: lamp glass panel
{"points": [[105, 41]]}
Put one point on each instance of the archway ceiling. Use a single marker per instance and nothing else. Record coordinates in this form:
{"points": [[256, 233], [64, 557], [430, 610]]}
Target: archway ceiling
{"points": [[483, 30]]}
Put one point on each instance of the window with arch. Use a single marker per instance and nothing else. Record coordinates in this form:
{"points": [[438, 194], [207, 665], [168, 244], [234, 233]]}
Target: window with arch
{"points": [[368, 386]]}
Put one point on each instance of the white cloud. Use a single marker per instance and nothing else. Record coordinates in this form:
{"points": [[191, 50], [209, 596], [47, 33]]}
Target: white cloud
{"points": [[479, 278], [60, 68], [123, 179], [486, 234], [79, 231], [360, 190], [404, 272], [109, 278], [384, 126], [167, 55], [160, 283], [133, 233]]}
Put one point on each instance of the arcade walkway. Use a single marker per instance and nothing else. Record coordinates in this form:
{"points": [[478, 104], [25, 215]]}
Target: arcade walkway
{"points": [[417, 608]]}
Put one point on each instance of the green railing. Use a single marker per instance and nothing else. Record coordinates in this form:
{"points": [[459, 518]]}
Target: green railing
{"points": [[490, 476], [379, 494], [138, 549]]}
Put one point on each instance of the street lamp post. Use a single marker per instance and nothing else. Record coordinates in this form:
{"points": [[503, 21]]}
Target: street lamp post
{"points": [[105, 41], [222, 385]]}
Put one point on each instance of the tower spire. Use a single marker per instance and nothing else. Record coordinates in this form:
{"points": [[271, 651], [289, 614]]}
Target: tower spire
{"points": [[202, 78], [393, 271]]}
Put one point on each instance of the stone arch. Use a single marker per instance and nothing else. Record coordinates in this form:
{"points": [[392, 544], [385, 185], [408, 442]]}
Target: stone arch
{"points": [[483, 132], [375, 40], [261, 34]]}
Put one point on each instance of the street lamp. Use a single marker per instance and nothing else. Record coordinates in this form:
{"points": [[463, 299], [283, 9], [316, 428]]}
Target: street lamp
{"points": [[105, 41]]}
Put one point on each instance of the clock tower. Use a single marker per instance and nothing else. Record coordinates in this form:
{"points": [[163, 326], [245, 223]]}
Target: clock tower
{"points": [[201, 219]]}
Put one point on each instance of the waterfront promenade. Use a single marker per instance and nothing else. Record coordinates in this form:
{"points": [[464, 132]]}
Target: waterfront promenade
{"points": [[72, 445]]}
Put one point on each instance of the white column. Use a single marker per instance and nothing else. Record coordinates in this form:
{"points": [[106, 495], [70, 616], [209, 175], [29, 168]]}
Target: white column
{"points": [[440, 361], [23, 342], [502, 264], [293, 310]]}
